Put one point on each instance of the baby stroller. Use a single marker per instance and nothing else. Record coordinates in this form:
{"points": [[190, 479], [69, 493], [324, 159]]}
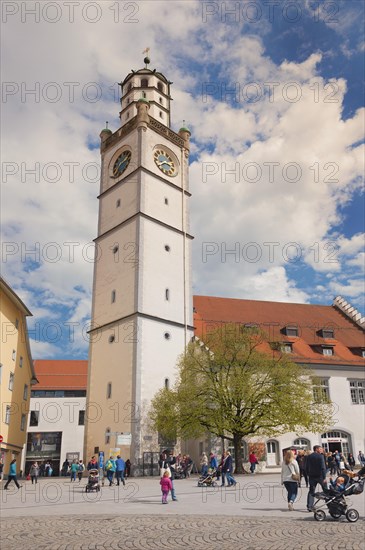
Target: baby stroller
{"points": [[93, 481], [336, 501], [179, 472], [209, 479]]}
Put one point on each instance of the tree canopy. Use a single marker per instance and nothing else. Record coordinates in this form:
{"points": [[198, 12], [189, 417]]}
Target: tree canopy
{"points": [[228, 386]]}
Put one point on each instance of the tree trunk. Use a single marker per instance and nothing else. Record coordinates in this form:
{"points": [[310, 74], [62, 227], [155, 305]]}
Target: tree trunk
{"points": [[238, 454]]}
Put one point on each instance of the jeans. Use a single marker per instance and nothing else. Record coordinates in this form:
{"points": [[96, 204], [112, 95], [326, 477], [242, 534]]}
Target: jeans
{"points": [[9, 480], [230, 479], [109, 475], [73, 476], [173, 495], [292, 489], [303, 473], [253, 467], [120, 476], [204, 470], [313, 482], [34, 479]]}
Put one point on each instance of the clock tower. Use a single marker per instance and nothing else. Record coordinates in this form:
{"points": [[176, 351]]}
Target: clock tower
{"points": [[142, 293]]}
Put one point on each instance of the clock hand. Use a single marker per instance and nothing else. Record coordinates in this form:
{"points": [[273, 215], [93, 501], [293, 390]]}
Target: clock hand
{"points": [[164, 162]]}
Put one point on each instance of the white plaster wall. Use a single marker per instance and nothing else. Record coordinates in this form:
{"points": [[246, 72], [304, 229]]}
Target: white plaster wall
{"points": [[153, 194], [60, 414], [112, 215]]}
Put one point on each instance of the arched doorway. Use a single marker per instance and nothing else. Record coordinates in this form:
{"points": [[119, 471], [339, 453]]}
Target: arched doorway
{"points": [[337, 441], [272, 448]]}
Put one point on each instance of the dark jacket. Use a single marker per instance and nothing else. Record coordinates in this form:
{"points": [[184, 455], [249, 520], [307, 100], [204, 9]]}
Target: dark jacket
{"points": [[171, 462], [315, 466], [227, 464]]}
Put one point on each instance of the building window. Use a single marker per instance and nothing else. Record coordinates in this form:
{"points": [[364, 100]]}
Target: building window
{"points": [[167, 384], [13, 356], [167, 248], [16, 323], [160, 99], [327, 351], [167, 294], [7, 414], [127, 116], [160, 86], [321, 391], [291, 330], [129, 86], [34, 418], [111, 339], [301, 442], [167, 336], [81, 418], [287, 348], [363, 353], [144, 83], [166, 200], [11, 381], [22, 422], [25, 392], [117, 203], [357, 390], [107, 436], [113, 296], [20, 361], [109, 390], [115, 249], [328, 333], [161, 115]]}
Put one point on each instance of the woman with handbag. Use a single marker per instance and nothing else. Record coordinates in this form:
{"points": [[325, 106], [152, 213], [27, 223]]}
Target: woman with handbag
{"points": [[290, 477]]}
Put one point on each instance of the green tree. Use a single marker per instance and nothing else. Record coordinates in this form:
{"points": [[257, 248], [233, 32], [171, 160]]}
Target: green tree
{"points": [[232, 387]]}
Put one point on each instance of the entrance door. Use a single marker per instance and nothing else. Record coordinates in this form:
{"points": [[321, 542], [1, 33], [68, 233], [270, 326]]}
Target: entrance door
{"points": [[337, 441], [272, 453]]}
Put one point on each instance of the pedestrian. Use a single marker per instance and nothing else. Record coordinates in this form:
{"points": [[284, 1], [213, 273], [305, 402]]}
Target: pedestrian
{"points": [[316, 471], [110, 470], [92, 464], [41, 469], [65, 467], [204, 464], [171, 463], [351, 461], [127, 468], [119, 470], [74, 470], [253, 461], [12, 475], [34, 472], [361, 458], [302, 459], [227, 467], [1, 470], [290, 477], [166, 486], [81, 470]]}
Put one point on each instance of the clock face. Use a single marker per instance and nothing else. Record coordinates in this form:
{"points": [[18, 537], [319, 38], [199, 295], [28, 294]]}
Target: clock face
{"points": [[121, 163], [164, 162]]}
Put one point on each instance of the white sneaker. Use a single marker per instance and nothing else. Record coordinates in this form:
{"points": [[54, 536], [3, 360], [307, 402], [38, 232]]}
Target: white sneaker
{"points": [[290, 506]]}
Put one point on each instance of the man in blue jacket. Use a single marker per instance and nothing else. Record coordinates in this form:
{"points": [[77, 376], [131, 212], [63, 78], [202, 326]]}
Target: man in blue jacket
{"points": [[119, 469], [316, 471]]}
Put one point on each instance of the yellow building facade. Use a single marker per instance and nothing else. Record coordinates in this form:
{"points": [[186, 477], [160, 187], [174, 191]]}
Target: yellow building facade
{"points": [[16, 375]]}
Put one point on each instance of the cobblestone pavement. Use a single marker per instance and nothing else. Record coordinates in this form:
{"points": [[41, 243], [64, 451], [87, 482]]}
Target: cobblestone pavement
{"points": [[96, 532]]}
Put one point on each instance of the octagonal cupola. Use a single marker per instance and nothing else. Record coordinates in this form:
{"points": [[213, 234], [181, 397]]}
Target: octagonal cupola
{"points": [[150, 85]]}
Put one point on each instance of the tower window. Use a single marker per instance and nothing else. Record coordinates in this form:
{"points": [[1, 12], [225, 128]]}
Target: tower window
{"points": [[11, 381], [144, 95], [113, 296], [167, 336], [16, 323], [128, 100], [13, 355], [167, 248], [127, 116], [108, 390], [130, 86], [160, 99], [160, 86], [166, 200], [161, 115], [144, 83], [167, 294], [111, 339], [167, 384], [20, 361], [117, 203], [107, 436], [115, 249]]}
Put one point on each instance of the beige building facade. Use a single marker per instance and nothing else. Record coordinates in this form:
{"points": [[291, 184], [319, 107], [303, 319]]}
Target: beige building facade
{"points": [[16, 376]]}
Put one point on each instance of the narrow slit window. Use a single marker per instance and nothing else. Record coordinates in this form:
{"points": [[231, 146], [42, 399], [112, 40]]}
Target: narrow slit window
{"points": [[113, 296], [167, 294]]}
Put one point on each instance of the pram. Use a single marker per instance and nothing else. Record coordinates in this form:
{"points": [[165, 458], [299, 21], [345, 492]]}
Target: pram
{"points": [[336, 501], [208, 480], [93, 481]]}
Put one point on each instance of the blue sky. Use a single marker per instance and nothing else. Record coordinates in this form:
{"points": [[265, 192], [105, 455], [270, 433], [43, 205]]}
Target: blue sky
{"points": [[305, 63]]}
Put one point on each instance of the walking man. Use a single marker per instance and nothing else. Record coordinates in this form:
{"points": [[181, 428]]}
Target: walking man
{"points": [[316, 471], [119, 470]]}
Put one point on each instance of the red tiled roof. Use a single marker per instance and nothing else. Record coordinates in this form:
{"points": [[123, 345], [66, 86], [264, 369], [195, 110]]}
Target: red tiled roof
{"points": [[274, 316], [58, 374]]}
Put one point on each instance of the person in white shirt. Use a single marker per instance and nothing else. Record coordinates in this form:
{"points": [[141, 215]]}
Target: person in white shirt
{"points": [[290, 476]]}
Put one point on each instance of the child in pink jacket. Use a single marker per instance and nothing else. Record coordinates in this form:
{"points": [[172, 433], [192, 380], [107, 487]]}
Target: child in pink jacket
{"points": [[166, 486]]}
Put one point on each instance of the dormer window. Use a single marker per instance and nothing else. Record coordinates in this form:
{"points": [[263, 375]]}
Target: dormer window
{"points": [[286, 348], [160, 86], [327, 333], [327, 350], [291, 330], [144, 83]]}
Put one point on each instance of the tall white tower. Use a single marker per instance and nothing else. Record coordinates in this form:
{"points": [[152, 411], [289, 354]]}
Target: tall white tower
{"points": [[142, 295]]}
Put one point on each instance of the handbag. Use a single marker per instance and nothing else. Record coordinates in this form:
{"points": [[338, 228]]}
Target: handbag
{"points": [[294, 476], [163, 470]]}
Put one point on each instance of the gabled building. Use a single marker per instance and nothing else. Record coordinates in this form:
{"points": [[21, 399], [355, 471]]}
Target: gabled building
{"points": [[57, 413], [16, 375], [327, 339]]}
